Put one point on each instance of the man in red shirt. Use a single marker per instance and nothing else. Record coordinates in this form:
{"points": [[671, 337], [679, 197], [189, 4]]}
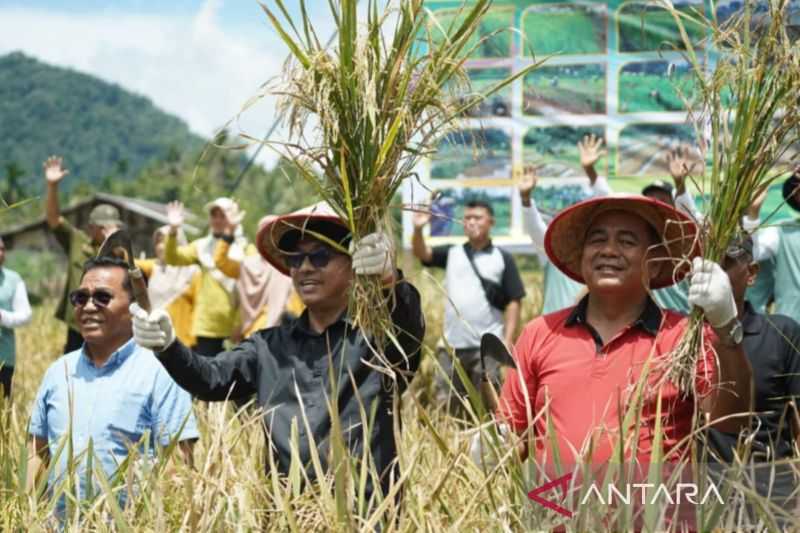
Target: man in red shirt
{"points": [[578, 368]]}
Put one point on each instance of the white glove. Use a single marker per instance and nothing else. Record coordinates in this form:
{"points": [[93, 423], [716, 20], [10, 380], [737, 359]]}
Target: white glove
{"points": [[710, 290], [373, 255], [154, 330], [486, 457]]}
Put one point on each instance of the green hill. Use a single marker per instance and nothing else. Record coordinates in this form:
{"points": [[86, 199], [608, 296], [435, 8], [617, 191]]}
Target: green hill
{"points": [[100, 128]]}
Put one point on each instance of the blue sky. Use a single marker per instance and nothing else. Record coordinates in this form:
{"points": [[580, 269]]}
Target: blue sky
{"points": [[201, 60]]}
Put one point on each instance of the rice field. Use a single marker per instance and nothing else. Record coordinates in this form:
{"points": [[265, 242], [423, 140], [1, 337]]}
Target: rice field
{"points": [[564, 28], [647, 27], [227, 489], [579, 89]]}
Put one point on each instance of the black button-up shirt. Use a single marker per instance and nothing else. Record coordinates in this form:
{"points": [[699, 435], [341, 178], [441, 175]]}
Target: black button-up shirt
{"points": [[290, 369], [771, 343]]}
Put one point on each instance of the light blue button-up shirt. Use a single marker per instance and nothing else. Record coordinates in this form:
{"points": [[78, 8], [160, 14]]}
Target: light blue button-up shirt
{"points": [[113, 405]]}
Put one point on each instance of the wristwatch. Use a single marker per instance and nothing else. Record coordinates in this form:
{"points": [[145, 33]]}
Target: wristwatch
{"points": [[734, 334]]}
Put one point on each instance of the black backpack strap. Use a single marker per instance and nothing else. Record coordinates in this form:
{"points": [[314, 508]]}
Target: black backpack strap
{"points": [[468, 251]]}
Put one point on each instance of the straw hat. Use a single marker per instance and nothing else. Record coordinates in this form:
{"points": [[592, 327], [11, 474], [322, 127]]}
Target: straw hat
{"points": [[565, 235], [316, 219]]}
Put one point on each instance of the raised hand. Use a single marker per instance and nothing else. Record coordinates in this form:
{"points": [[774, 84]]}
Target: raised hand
{"points": [[54, 170], [681, 163], [591, 149], [421, 219], [154, 330], [175, 215], [527, 183]]}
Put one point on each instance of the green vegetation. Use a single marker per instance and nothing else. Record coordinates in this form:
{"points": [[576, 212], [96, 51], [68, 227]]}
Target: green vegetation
{"points": [[653, 92], [642, 147], [496, 197], [227, 490], [551, 200], [495, 23], [134, 149], [571, 89], [564, 29], [473, 153], [101, 128], [646, 27], [555, 150], [481, 80]]}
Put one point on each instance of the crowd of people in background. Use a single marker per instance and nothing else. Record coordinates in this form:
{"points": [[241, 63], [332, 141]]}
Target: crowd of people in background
{"points": [[266, 320]]}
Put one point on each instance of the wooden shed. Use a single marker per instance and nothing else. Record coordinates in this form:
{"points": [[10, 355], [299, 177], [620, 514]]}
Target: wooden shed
{"points": [[141, 217]]}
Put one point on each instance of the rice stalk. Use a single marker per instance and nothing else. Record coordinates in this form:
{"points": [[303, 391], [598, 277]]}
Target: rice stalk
{"points": [[367, 111], [747, 103], [441, 488]]}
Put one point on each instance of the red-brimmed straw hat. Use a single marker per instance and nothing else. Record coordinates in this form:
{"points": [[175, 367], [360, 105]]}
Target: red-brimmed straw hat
{"points": [[315, 220], [566, 233]]}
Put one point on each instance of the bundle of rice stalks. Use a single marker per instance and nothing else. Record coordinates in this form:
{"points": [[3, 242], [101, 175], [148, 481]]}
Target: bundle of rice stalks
{"points": [[748, 105], [366, 112]]}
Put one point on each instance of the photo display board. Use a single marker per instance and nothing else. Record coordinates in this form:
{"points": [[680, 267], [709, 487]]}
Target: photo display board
{"points": [[613, 69]]}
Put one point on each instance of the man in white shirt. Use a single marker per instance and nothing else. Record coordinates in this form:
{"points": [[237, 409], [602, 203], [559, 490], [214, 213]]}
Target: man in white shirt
{"points": [[484, 290]]}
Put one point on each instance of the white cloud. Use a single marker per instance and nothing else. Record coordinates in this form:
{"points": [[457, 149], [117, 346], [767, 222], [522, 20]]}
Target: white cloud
{"points": [[190, 67]]}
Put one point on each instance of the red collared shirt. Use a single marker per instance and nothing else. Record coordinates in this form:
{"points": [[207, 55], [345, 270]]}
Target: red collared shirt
{"points": [[569, 380]]}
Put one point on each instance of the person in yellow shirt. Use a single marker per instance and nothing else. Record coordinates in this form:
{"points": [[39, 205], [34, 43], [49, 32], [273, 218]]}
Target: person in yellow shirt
{"points": [[265, 294], [173, 288], [216, 303]]}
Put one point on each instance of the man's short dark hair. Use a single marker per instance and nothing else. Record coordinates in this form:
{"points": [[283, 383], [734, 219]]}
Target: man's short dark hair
{"points": [[110, 262], [480, 203]]}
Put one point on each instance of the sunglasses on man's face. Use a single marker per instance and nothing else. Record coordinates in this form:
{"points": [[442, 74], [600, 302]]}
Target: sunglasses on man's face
{"points": [[319, 258], [81, 297]]}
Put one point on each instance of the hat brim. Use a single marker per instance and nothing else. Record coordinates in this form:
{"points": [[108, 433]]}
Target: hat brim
{"points": [[271, 234], [789, 187], [567, 231]]}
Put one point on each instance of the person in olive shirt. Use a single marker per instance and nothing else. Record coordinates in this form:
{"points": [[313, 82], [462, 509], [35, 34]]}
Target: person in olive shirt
{"points": [[288, 368], [80, 246]]}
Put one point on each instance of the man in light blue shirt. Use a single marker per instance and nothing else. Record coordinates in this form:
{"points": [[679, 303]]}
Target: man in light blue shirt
{"points": [[108, 396]]}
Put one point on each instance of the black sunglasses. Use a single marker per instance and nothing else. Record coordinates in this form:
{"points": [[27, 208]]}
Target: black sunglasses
{"points": [[81, 297], [319, 258]]}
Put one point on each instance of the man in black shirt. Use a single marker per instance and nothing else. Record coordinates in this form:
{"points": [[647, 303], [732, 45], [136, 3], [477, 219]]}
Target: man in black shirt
{"points": [[771, 343], [289, 367]]}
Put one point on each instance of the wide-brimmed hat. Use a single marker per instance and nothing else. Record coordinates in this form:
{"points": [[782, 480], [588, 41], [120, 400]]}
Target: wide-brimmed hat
{"points": [[789, 187], [566, 233], [275, 238]]}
